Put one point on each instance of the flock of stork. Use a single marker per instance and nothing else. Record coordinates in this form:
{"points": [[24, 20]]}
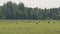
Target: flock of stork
{"points": [[36, 22]]}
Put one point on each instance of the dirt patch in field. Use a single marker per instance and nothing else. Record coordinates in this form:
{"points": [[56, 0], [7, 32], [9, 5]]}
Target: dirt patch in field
{"points": [[14, 29], [58, 30], [25, 28]]}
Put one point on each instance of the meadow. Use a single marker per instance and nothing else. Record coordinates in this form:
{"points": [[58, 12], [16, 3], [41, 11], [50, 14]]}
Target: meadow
{"points": [[29, 27]]}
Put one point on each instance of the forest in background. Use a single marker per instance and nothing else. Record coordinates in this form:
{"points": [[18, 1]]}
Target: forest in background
{"points": [[11, 10]]}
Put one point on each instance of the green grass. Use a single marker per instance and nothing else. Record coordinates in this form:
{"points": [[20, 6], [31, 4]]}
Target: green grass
{"points": [[29, 27]]}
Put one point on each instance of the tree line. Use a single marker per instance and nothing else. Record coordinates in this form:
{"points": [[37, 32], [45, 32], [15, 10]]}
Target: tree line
{"points": [[11, 10]]}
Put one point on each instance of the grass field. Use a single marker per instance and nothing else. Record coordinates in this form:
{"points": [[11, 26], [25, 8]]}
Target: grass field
{"points": [[29, 27]]}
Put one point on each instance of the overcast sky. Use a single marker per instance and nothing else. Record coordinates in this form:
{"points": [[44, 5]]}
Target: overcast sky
{"points": [[36, 3]]}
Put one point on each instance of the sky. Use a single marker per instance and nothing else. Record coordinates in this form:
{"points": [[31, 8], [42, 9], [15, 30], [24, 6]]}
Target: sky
{"points": [[36, 3]]}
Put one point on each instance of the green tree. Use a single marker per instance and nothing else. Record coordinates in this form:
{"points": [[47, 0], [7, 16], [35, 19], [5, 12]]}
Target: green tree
{"points": [[8, 10], [1, 12], [21, 9]]}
